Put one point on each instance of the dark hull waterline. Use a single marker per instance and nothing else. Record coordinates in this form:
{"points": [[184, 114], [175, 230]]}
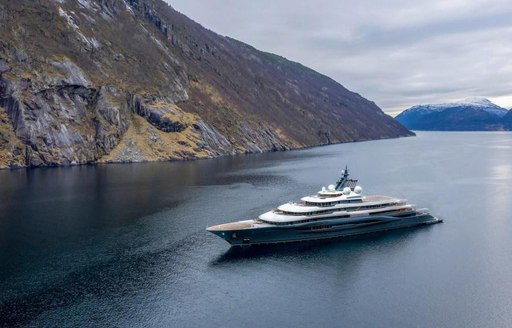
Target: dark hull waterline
{"points": [[291, 233]]}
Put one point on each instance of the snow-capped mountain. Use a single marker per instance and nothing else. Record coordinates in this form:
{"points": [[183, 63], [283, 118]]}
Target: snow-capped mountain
{"points": [[470, 114], [507, 120]]}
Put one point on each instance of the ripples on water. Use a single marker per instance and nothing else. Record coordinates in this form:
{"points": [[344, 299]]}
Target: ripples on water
{"points": [[125, 245]]}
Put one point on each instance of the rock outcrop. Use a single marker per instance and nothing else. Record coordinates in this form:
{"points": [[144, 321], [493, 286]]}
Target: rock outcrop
{"points": [[85, 81]]}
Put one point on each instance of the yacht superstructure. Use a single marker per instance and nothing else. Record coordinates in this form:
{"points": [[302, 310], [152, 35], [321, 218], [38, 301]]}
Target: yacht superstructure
{"points": [[336, 211]]}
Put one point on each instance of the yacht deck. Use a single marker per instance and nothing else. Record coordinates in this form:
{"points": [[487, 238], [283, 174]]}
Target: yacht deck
{"points": [[232, 226], [376, 198]]}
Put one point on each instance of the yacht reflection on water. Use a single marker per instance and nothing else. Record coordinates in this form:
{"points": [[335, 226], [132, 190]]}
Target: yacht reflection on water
{"points": [[337, 211], [349, 247]]}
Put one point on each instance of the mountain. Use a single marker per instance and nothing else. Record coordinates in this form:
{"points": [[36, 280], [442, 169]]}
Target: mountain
{"points": [[471, 114], [507, 120], [85, 81]]}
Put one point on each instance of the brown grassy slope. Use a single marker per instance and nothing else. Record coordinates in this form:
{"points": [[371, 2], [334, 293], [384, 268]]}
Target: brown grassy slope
{"points": [[76, 76], [126, 56], [306, 105]]}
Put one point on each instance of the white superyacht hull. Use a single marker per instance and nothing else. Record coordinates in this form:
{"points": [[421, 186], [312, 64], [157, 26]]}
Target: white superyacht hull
{"points": [[248, 233]]}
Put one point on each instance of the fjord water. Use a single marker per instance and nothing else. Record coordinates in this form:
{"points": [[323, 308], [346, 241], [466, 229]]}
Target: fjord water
{"points": [[125, 245]]}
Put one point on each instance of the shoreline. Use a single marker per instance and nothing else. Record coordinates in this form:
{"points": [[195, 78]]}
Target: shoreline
{"points": [[98, 163]]}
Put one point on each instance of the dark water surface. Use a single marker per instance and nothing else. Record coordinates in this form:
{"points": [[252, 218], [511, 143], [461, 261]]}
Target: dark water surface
{"points": [[126, 246]]}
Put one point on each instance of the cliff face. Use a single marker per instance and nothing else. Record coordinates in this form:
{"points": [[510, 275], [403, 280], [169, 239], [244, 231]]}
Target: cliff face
{"points": [[109, 80]]}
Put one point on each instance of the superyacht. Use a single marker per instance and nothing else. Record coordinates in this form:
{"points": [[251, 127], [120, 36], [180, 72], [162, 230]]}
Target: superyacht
{"points": [[336, 211]]}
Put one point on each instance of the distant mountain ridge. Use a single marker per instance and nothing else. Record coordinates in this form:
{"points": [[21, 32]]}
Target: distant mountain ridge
{"points": [[470, 114], [86, 81], [507, 120]]}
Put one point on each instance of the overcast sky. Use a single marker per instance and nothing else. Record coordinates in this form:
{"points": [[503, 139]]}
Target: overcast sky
{"points": [[397, 53]]}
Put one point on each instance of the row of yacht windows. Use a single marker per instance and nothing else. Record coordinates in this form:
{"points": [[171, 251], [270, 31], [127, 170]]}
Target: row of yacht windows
{"points": [[320, 227], [368, 207], [334, 203], [391, 211], [304, 213], [317, 219], [301, 221]]}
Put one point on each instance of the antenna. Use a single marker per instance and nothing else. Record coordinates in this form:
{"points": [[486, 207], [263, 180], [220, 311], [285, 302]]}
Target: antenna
{"points": [[343, 179]]}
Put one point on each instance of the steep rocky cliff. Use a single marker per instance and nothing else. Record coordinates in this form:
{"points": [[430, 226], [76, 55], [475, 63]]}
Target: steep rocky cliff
{"points": [[84, 81]]}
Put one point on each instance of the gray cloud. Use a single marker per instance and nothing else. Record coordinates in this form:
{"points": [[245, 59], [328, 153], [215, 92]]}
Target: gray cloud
{"points": [[398, 53]]}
